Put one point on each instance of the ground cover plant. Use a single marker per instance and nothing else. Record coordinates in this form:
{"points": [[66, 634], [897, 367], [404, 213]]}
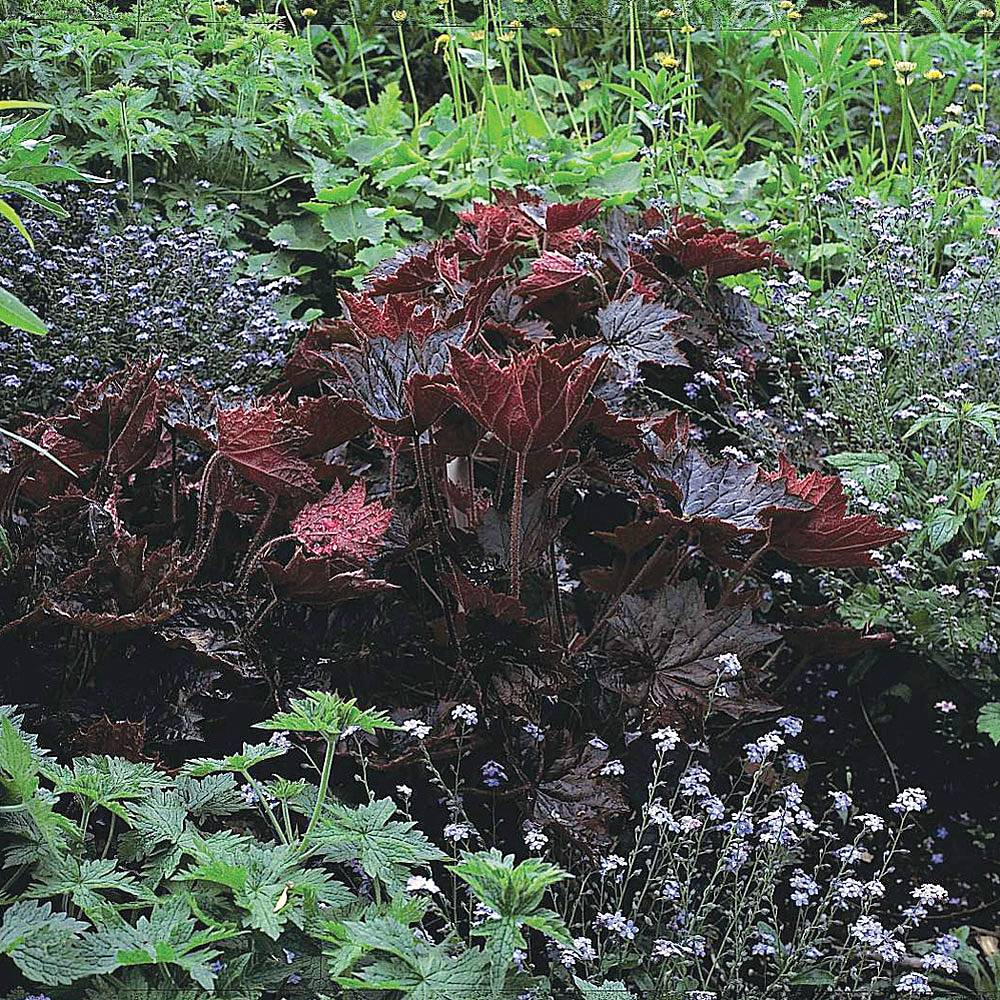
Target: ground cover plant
{"points": [[604, 396]]}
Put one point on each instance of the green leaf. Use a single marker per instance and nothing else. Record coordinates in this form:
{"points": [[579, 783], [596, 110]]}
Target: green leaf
{"points": [[267, 882], [301, 233], [620, 179], [14, 313], [514, 893], [107, 781], [813, 977], [387, 849], [15, 220], [46, 945], [942, 527], [876, 472], [988, 722], [84, 880], [328, 714], [395, 959], [237, 763], [608, 990], [339, 194], [354, 223]]}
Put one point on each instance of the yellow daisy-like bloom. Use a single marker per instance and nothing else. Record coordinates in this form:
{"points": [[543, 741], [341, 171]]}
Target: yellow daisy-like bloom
{"points": [[975, 88], [441, 41], [904, 71], [785, 5], [478, 35], [985, 14], [664, 12], [666, 60], [874, 63], [553, 32], [777, 32], [586, 85], [309, 13], [516, 25], [869, 22], [222, 8], [507, 36], [794, 15], [399, 16], [934, 75], [880, 15], [688, 29]]}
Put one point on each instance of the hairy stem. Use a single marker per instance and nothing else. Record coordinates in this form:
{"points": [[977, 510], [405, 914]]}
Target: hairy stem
{"points": [[515, 525]]}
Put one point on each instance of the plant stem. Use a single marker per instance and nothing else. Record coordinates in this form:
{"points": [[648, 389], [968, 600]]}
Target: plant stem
{"points": [[324, 784], [515, 525]]}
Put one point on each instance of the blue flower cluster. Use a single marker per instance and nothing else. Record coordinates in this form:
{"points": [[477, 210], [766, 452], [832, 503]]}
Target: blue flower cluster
{"points": [[112, 289]]}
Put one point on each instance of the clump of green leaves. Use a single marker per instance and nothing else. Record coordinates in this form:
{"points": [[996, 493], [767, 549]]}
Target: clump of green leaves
{"points": [[127, 878]]}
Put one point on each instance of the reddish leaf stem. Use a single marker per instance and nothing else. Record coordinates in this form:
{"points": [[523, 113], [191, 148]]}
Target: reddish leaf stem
{"points": [[515, 526]]}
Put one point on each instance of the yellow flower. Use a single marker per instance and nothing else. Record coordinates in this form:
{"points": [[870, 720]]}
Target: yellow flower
{"points": [[777, 32], [222, 8], [794, 15], [507, 36], [985, 14], [586, 85], [880, 15], [666, 60], [785, 5], [399, 16], [869, 22], [904, 66], [553, 32], [309, 13], [441, 41], [664, 12], [934, 75], [874, 63], [975, 88], [516, 25], [688, 29], [953, 109]]}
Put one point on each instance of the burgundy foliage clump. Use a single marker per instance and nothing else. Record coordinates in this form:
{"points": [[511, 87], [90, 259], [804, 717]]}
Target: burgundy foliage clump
{"points": [[469, 487]]}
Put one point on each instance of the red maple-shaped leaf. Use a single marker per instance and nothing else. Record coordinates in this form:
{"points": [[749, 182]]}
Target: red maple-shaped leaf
{"points": [[694, 245], [410, 269], [390, 318], [327, 422], [826, 535], [262, 448], [343, 525], [551, 273], [529, 404], [320, 582], [731, 496], [560, 217]]}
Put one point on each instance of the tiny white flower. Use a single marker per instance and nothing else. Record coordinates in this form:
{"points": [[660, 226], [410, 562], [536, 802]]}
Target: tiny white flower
{"points": [[417, 729], [419, 883]]}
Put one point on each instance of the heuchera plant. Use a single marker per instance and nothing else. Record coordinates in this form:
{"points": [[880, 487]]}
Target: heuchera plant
{"points": [[472, 486]]}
